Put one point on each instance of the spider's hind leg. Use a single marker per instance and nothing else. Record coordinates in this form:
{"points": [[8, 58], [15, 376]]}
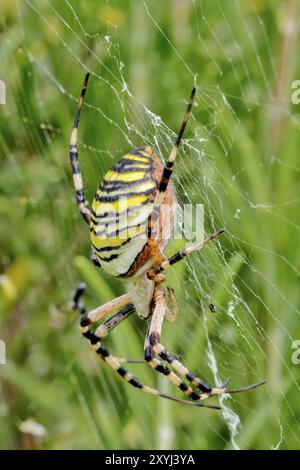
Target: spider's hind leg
{"points": [[74, 159], [166, 175]]}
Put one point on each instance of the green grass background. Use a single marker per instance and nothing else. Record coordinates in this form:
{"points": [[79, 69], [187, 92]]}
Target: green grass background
{"points": [[240, 158]]}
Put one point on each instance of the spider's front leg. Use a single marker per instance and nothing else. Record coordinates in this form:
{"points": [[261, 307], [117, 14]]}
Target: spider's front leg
{"points": [[125, 308], [153, 345]]}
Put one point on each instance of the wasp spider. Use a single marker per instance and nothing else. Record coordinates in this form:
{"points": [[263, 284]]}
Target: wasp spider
{"points": [[137, 256]]}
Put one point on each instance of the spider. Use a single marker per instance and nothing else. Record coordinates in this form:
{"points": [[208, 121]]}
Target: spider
{"points": [[138, 257]]}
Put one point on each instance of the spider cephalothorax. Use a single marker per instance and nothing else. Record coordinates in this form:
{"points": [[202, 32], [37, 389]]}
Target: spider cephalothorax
{"points": [[129, 233]]}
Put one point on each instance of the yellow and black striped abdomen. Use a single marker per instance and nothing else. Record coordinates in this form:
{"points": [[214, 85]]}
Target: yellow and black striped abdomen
{"points": [[120, 211]]}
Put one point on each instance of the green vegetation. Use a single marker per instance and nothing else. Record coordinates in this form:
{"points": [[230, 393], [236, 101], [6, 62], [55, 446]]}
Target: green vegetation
{"points": [[240, 158]]}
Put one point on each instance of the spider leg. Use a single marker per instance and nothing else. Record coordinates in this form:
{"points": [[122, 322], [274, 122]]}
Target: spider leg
{"points": [[95, 338], [100, 312], [152, 273], [124, 360], [96, 314], [151, 342], [154, 346], [74, 158], [168, 170], [208, 391]]}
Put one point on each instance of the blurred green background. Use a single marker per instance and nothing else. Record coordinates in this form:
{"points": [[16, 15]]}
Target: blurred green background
{"points": [[240, 158]]}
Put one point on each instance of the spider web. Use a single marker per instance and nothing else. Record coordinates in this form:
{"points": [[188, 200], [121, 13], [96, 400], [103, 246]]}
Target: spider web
{"points": [[221, 165]]}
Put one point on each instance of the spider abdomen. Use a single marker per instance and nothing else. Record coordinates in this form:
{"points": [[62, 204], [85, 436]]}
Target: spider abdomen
{"points": [[120, 212]]}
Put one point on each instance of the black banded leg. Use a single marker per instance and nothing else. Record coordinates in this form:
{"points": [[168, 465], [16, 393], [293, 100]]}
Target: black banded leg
{"points": [[105, 328], [174, 362], [154, 346], [74, 159], [168, 170], [208, 391], [152, 273], [77, 304], [153, 338], [98, 313], [87, 318], [128, 377], [101, 332]]}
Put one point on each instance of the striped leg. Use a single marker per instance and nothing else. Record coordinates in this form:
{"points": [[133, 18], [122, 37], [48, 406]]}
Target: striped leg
{"points": [[154, 346], [152, 343], [96, 314], [152, 273], [100, 312], [196, 381], [103, 330], [74, 158], [168, 170]]}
